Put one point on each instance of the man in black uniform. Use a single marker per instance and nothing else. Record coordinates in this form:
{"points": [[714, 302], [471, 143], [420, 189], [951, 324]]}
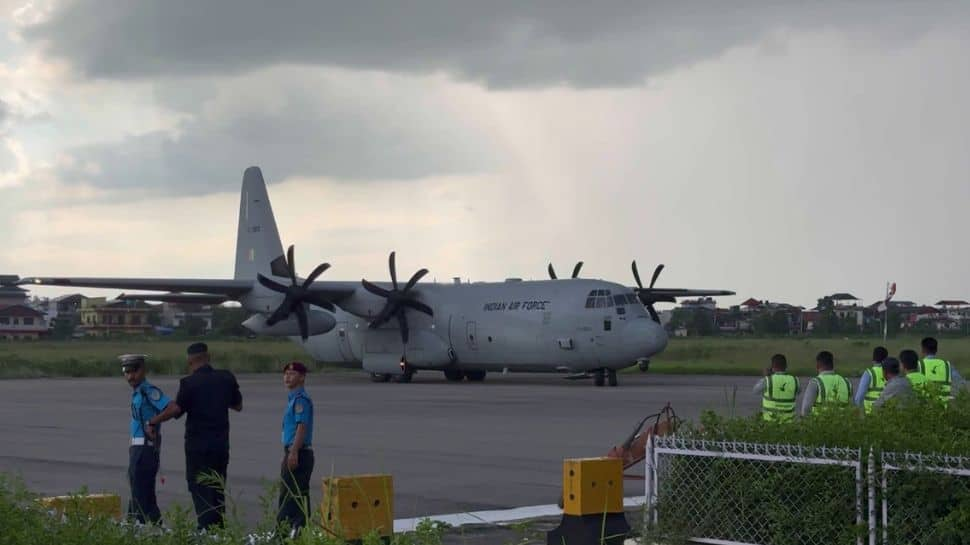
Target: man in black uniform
{"points": [[206, 395]]}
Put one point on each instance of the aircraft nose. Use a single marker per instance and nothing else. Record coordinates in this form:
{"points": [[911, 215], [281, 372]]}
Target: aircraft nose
{"points": [[644, 337]]}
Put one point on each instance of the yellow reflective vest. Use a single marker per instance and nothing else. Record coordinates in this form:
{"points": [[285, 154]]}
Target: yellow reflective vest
{"points": [[938, 375], [833, 391], [877, 381], [778, 399]]}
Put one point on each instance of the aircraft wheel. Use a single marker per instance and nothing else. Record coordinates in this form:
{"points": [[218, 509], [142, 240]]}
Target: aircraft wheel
{"points": [[599, 377], [379, 377], [454, 375], [405, 378], [611, 376], [475, 376], [643, 365]]}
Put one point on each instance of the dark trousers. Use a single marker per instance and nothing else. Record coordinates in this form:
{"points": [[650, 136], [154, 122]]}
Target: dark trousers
{"points": [[209, 499], [295, 489], [142, 469]]}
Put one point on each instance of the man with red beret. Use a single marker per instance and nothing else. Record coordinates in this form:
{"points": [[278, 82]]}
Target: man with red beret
{"points": [[294, 502]]}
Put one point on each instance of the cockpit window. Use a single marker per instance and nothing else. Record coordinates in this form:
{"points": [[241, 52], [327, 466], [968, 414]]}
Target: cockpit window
{"points": [[600, 299]]}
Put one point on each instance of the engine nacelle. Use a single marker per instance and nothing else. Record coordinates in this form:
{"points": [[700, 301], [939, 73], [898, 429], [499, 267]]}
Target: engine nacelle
{"points": [[319, 322]]}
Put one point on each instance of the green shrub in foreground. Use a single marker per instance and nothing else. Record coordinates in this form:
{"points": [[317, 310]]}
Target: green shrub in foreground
{"points": [[24, 522]]}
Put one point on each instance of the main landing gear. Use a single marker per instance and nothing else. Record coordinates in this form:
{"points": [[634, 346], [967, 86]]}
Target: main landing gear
{"points": [[603, 376], [457, 375]]}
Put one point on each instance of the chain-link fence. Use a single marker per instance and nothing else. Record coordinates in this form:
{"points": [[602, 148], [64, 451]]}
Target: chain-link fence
{"points": [[749, 493], [736, 493], [925, 499]]}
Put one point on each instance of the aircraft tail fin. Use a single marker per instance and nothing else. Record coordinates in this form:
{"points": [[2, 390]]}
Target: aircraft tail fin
{"points": [[257, 239]]}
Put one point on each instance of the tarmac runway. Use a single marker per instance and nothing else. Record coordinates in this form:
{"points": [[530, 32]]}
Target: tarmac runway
{"points": [[450, 447]]}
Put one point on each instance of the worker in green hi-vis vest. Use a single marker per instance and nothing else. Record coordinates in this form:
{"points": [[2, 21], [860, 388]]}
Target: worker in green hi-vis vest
{"points": [[940, 374], [778, 391], [828, 389], [872, 381], [910, 363]]}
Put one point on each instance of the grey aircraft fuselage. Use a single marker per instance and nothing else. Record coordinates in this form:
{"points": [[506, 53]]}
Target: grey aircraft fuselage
{"points": [[569, 325]]}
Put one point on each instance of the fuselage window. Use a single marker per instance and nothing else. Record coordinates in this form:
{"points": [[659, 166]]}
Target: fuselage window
{"points": [[590, 302], [607, 325]]}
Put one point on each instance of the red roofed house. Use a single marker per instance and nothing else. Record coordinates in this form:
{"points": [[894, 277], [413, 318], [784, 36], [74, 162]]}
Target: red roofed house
{"points": [[18, 321]]}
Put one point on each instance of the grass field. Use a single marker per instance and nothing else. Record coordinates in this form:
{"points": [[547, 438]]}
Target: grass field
{"points": [[748, 356], [698, 355], [94, 358]]}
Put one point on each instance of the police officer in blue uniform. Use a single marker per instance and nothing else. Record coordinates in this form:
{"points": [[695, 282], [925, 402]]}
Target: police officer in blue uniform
{"points": [[297, 466], [143, 454]]}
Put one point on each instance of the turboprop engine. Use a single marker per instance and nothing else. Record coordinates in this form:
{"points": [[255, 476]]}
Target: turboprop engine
{"points": [[318, 323]]}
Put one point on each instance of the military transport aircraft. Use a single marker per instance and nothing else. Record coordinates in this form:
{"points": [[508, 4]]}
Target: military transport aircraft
{"points": [[574, 325]]}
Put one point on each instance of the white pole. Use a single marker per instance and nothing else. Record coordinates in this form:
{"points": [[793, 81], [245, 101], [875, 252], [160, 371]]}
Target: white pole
{"points": [[872, 497], [885, 321]]}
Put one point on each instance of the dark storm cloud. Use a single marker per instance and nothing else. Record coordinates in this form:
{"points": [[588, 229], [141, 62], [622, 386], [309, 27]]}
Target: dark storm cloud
{"points": [[297, 128], [503, 43]]}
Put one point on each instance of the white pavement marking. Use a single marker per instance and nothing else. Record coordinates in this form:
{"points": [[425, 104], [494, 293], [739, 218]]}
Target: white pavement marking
{"points": [[502, 516]]}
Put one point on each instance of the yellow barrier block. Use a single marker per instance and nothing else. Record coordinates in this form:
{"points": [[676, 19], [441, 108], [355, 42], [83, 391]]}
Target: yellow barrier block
{"points": [[356, 505], [91, 505], [592, 486]]}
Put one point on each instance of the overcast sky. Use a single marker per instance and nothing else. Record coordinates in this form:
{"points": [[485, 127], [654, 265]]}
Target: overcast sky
{"points": [[784, 150]]}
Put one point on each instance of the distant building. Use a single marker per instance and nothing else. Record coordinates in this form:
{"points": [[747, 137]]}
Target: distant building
{"points": [[848, 307], [21, 323], [12, 295], [100, 317], [177, 315]]}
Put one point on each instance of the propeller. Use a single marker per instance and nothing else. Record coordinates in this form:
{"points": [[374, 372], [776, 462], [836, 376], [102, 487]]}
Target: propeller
{"points": [[398, 300], [552, 271], [643, 293], [296, 296]]}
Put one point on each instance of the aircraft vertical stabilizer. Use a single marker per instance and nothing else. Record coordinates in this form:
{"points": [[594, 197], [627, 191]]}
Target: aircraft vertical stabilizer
{"points": [[257, 240]]}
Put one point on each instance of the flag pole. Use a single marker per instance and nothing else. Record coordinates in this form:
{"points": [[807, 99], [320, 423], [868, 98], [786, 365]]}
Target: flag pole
{"points": [[885, 321]]}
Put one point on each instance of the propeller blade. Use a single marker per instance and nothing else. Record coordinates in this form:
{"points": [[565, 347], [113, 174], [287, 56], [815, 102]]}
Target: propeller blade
{"points": [[271, 284], [321, 268], [390, 265], [382, 317], [653, 313], [290, 263], [636, 275], [402, 322], [280, 313], [576, 269], [303, 319], [552, 272], [375, 289], [656, 273], [418, 306], [414, 279]]}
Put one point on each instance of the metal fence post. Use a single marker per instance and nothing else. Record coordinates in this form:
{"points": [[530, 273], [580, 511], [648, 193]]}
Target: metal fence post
{"points": [[885, 505], [871, 478], [858, 494], [648, 469]]}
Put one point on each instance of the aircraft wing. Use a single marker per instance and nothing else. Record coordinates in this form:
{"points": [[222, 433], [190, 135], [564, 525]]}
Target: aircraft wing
{"points": [[669, 295], [185, 298], [177, 287], [228, 288]]}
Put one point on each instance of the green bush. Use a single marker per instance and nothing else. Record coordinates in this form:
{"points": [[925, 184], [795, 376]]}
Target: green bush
{"points": [[23, 521]]}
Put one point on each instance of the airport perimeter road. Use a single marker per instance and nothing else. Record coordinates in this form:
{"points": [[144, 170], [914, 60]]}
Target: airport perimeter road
{"points": [[450, 447]]}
